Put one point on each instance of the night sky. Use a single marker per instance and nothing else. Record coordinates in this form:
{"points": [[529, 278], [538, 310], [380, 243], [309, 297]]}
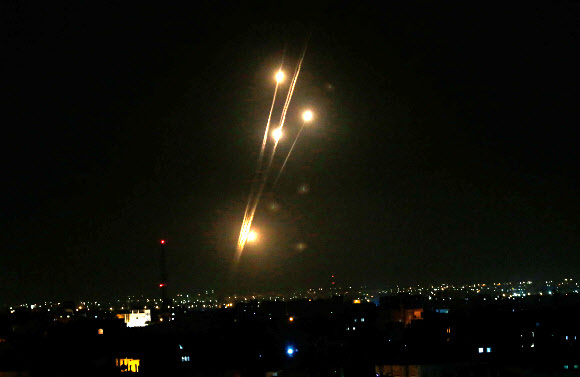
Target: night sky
{"points": [[444, 145]]}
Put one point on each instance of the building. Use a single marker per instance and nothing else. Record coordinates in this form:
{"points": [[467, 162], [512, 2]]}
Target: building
{"points": [[136, 318]]}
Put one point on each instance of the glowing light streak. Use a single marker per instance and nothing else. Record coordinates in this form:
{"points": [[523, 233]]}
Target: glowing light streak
{"points": [[249, 217], [243, 233], [307, 116], [279, 76], [277, 134], [245, 225], [252, 236]]}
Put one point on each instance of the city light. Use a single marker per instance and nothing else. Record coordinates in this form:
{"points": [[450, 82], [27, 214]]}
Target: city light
{"points": [[307, 116]]}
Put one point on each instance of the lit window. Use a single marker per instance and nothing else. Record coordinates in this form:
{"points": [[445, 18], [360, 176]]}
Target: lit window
{"points": [[100, 331], [488, 349], [480, 349], [362, 319], [128, 365]]}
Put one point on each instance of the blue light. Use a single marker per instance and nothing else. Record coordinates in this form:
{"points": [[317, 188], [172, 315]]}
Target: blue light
{"points": [[290, 351]]}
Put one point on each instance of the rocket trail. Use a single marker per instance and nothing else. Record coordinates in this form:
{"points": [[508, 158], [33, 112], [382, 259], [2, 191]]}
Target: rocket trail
{"points": [[260, 158], [262, 150], [246, 225], [289, 153], [287, 104]]}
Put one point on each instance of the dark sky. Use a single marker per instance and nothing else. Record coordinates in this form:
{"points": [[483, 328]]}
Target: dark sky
{"points": [[444, 146]]}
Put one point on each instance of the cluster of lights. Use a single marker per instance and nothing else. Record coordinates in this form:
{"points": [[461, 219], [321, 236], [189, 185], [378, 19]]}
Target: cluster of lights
{"points": [[503, 290]]}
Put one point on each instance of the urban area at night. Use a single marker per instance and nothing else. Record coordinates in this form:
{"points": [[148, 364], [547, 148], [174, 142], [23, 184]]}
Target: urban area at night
{"points": [[483, 329], [322, 189]]}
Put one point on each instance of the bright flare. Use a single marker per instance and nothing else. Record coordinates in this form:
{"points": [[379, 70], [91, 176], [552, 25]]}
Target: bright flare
{"points": [[307, 116], [279, 76], [252, 236], [277, 134]]}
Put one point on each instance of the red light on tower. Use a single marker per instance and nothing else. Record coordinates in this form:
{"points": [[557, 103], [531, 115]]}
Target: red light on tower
{"points": [[162, 242]]}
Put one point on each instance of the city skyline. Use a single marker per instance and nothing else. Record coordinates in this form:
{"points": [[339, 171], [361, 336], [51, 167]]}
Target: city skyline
{"points": [[211, 299], [442, 146]]}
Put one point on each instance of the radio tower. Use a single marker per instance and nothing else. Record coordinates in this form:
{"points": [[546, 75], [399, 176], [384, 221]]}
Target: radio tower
{"points": [[163, 283]]}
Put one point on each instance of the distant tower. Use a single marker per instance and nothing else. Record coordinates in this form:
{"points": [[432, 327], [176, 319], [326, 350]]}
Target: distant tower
{"points": [[165, 302], [332, 284]]}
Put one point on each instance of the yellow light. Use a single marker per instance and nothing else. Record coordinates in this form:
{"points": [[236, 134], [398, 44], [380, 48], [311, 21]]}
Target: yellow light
{"points": [[307, 116], [252, 236], [277, 134], [128, 365], [291, 319], [279, 76]]}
